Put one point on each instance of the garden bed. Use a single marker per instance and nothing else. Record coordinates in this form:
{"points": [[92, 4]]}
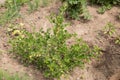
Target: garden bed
{"points": [[106, 67]]}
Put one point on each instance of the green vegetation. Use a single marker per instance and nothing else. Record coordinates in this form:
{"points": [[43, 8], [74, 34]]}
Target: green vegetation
{"points": [[117, 41], [109, 29], [33, 5], [102, 9], [119, 16], [4, 75], [77, 7], [106, 4], [45, 2], [55, 52], [13, 7], [12, 10], [50, 51]]}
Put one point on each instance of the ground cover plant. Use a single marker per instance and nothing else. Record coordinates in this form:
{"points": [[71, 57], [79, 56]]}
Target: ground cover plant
{"points": [[50, 51]]}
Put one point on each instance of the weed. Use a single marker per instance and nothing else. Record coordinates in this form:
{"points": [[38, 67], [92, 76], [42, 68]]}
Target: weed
{"points": [[12, 10], [48, 50], [77, 7], [97, 50], [102, 9], [106, 4], [119, 16], [33, 5], [45, 2], [109, 29], [117, 41]]}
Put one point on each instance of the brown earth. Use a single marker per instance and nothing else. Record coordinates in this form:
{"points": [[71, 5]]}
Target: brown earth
{"points": [[107, 67]]}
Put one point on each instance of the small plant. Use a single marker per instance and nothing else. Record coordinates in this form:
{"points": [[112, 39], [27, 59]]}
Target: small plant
{"points": [[15, 2], [102, 9], [106, 4], [33, 5], [45, 2], [50, 50], [117, 41], [119, 16], [109, 29], [15, 30], [97, 50], [12, 10], [77, 7]]}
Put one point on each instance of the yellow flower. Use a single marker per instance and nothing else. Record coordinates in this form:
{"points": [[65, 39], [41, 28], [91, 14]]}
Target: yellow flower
{"points": [[16, 33], [21, 24]]}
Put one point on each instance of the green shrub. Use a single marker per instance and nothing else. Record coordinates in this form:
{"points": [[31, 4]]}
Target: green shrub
{"points": [[77, 7], [50, 50]]}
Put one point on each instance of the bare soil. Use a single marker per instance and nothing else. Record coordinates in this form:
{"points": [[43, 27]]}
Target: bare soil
{"points": [[106, 67], [2, 1]]}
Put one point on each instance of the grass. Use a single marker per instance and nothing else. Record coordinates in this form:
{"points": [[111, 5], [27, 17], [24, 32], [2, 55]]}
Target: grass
{"points": [[12, 8], [12, 11], [4, 75]]}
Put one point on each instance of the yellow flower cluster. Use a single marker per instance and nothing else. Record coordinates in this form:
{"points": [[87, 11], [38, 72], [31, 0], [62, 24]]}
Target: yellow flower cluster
{"points": [[14, 31], [34, 55]]}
